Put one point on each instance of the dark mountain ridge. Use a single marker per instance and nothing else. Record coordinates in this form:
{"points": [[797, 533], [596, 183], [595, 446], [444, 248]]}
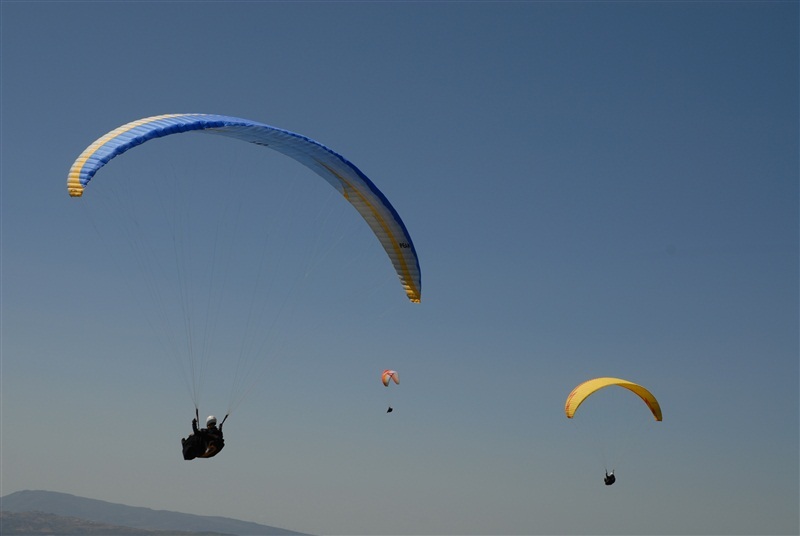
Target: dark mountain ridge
{"points": [[39, 523], [147, 519]]}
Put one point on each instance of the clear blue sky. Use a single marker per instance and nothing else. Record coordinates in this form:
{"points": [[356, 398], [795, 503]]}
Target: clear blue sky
{"points": [[593, 188]]}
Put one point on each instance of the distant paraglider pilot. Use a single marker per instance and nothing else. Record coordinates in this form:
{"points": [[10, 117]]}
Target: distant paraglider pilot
{"points": [[609, 478], [388, 376], [206, 442]]}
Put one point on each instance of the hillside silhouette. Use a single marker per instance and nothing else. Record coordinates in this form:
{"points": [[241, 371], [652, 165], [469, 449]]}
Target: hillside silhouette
{"points": [[73, 510]]}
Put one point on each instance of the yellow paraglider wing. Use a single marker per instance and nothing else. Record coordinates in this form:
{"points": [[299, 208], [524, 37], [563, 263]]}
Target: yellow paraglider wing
{"points": [[586, 389]]}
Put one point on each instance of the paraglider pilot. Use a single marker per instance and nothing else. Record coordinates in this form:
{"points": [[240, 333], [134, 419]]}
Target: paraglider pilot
{"points": [[609, 478], [205, 442]]}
